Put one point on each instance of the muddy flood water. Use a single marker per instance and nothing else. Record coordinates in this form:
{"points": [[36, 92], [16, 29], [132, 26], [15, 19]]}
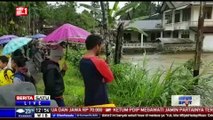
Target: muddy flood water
{"points": [[164, 61]]}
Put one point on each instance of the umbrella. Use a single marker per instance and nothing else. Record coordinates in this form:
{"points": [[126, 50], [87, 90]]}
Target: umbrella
{"points": [[6, 38], [38, 36], [69, 33], [28, 36], [15, 44]]}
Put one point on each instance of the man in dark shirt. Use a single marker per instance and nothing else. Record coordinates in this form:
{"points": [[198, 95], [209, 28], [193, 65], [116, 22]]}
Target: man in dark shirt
{"points": [[96, 73], [53, 76]]}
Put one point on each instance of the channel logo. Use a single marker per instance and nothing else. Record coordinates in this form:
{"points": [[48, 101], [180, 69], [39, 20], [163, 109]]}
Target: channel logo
{"points": [[185, 100]]}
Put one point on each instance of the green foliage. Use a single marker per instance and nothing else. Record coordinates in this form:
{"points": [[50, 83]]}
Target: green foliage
{"points": [[3, 31], [74, 56], [136, 86], [74, 87], [86, 21], [113, 13], [144, 9], [41, 13], [141, 87]]}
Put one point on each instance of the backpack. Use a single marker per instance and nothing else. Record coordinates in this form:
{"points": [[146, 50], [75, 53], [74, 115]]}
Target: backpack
{"points": [[6, 77]]}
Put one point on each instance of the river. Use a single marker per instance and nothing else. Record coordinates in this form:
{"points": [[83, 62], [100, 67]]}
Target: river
{"points": [[164, 61]]}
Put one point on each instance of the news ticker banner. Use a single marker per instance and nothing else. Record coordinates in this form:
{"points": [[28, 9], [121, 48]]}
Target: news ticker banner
{"points": [[33, 100], [67, 112], [45, 100]]}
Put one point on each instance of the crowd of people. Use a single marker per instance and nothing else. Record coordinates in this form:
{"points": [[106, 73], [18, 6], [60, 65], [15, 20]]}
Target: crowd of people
{"points": [[95, 71]]}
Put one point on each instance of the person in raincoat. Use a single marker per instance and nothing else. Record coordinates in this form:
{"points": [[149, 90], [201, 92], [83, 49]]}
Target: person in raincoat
{"points": [[6, 74]]}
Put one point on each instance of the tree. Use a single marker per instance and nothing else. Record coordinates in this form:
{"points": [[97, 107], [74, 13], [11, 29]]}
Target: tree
{"points": [[199, 42], [119, 40], [109, 19], [41, 13], [86, 21], [145, 9], [113, 14]]}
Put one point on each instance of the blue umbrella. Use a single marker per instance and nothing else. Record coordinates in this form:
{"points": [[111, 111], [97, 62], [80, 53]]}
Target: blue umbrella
{"points": [[37, 36], [6, 38], [15, 44]]}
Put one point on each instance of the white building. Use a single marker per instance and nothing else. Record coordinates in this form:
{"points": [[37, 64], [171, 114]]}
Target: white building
{"points": [[142, 31], [180, 20]]}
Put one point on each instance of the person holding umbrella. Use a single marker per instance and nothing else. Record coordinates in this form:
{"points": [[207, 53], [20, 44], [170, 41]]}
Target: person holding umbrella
{"points": [[53, 76]]}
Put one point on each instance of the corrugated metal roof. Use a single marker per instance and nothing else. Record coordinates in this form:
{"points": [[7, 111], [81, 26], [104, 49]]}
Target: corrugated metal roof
{"points": [[144, 24], [177, 5], [174, 40], [180, 4]]}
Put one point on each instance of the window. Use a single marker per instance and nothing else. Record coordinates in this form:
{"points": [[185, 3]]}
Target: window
{"points": [[185, 34], [208, 13], [175, 34], [186, 14], [168, 17], [177, 16], [167, 34], [127, 36]]}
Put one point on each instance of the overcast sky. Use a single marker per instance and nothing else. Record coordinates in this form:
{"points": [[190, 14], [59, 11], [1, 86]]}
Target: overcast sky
{"points": [[80, 9]]}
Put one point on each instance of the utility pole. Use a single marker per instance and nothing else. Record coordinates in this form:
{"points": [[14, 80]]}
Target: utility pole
{"points": [[199, 40]]}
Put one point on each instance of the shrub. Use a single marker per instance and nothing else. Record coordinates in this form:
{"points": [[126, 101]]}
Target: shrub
{"points": [[134, 86], [74, 56]]}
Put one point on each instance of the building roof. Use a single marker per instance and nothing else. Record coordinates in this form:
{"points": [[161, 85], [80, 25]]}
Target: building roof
{"points": [[180, 4], [174, 40], [144, 25], [172, 5]]}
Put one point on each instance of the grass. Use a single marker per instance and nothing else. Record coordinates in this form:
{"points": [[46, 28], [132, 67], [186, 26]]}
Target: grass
{"points": [[137, 86], [74, 88]]}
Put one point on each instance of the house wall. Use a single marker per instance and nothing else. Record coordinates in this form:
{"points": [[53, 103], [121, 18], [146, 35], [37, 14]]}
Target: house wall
{"points": [[208, 42], [195, 15], [184, 25], [134, 36], [192, 35]]}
